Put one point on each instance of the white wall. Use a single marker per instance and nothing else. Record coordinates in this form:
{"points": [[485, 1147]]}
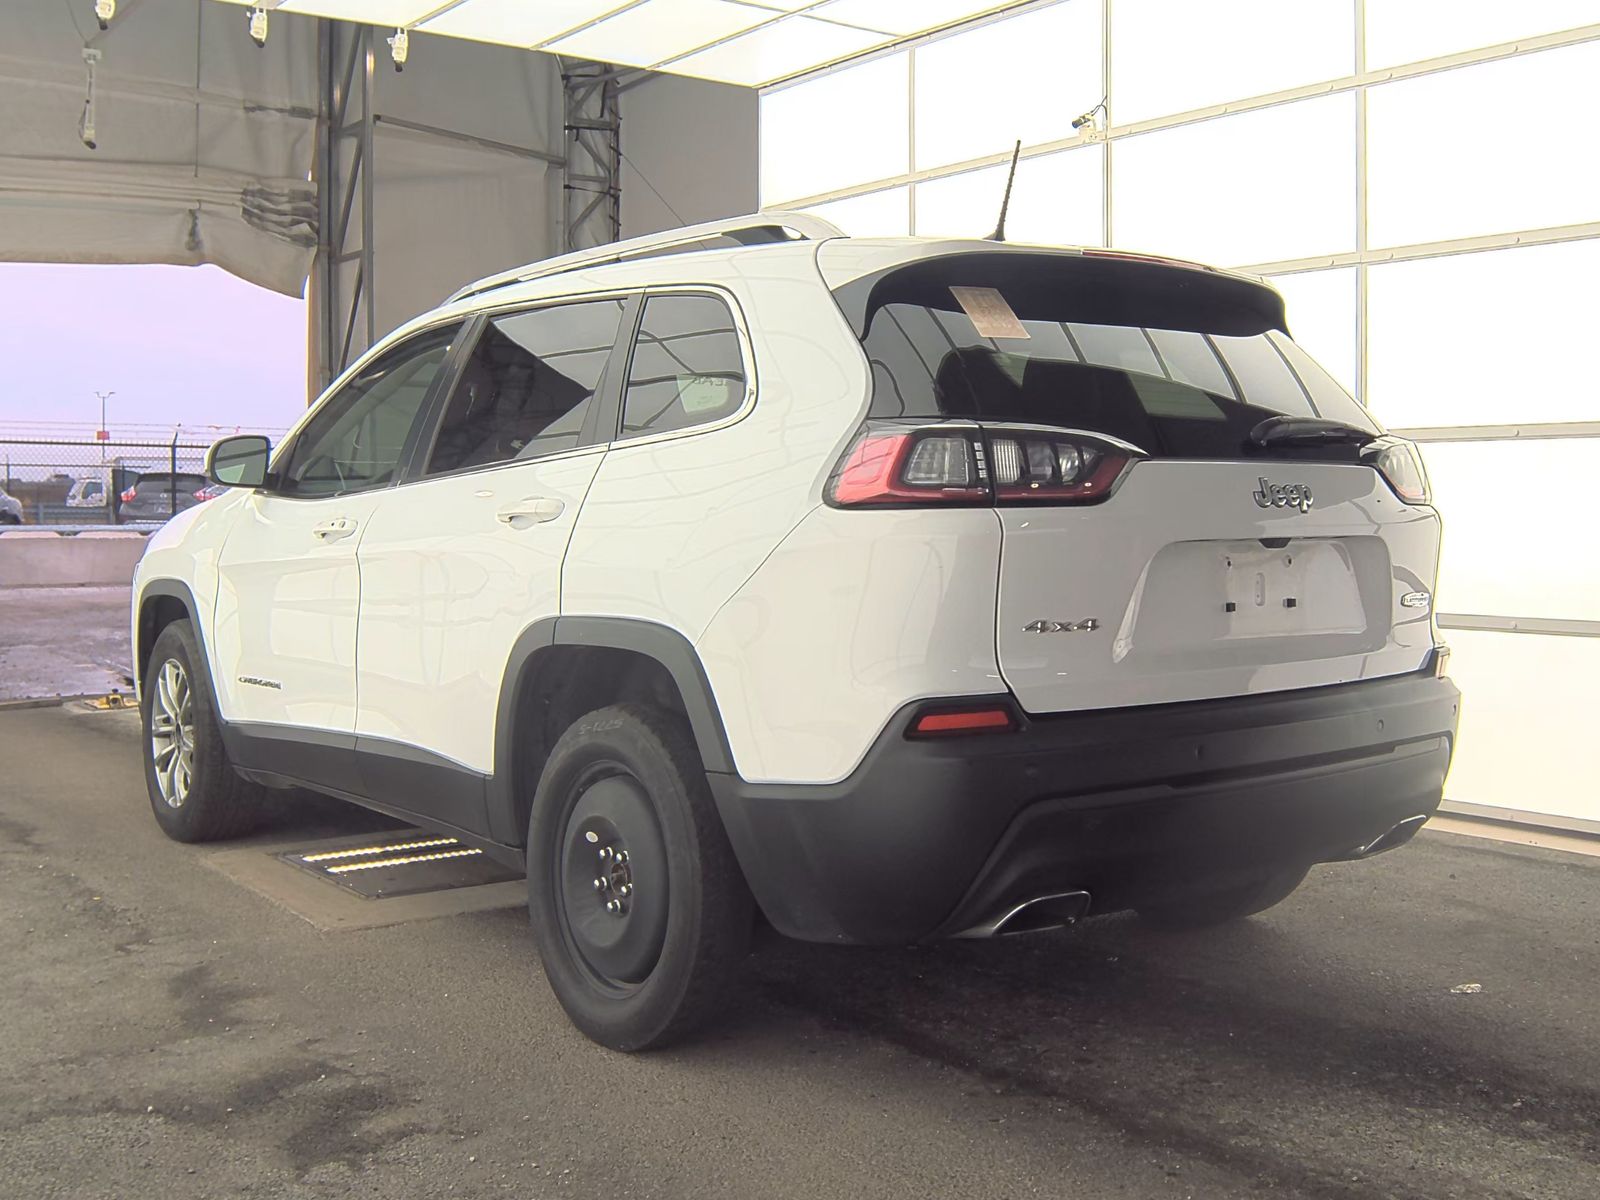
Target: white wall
{"points": [[696, 142]]}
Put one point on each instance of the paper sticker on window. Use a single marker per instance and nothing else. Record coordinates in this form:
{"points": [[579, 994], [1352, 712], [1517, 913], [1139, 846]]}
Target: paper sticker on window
{"points": [[706, 393], [991, 315]]}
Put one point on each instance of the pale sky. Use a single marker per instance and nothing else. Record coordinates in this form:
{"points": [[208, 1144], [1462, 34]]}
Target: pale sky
{"points": [[194, 345]]}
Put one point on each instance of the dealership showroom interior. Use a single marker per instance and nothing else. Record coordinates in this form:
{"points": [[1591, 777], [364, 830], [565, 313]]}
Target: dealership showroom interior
{"points": [[801, 598]]}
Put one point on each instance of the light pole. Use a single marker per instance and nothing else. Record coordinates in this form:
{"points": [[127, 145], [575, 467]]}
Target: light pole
{"points": [[101, 435]]}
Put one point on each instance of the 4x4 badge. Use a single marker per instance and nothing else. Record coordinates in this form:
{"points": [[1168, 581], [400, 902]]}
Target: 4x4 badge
{"points": [[1087, 625], [1282, 495]]}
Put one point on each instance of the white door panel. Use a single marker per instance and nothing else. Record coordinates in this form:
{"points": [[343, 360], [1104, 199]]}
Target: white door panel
{"points": [[285, 630], [453, 571]]}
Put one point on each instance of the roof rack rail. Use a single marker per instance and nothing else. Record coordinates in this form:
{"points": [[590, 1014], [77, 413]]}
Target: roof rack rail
{"points": [[752, 229]]}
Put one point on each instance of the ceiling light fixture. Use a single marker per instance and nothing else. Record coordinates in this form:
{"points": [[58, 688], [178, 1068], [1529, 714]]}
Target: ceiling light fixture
{"points": [[104, 10], [258, 25]]}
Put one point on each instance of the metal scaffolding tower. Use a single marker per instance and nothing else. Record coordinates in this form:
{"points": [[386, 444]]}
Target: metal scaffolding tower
{"points": [[593, 183]]}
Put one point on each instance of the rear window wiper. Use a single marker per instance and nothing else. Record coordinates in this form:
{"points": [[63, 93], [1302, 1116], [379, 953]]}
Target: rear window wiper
{"points": [[1308, 431]]}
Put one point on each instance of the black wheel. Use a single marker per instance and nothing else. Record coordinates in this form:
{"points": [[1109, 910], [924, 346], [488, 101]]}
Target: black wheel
{"points": [[1217, 908], [8, 518], [639, 908], [195, 792]]}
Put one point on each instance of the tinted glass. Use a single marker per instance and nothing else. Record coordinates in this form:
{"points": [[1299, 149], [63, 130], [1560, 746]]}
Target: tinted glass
{"points": [[528, 385], [686, 367], [355, 439], [1180, 367]]}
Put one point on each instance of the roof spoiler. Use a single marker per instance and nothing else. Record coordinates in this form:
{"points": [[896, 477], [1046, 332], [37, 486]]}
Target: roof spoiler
{"points": [[751, 230]]}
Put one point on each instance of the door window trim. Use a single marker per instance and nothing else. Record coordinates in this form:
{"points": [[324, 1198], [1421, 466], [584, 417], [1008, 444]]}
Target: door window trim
{"points": [[607, 396], [747, 363]]}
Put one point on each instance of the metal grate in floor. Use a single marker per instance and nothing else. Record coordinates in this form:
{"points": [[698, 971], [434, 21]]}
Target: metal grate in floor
{"points": [[401, 862]]}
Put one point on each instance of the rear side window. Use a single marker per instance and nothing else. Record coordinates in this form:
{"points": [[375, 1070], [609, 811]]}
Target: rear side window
{"points": [[528, 385], [1179, 364], [686, 368]]}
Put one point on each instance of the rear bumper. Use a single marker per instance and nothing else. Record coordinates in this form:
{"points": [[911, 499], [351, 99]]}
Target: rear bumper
{"points": [[929, 838]]}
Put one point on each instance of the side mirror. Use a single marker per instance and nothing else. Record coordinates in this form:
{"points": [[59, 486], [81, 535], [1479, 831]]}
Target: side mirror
{"points": [[239, 461]]}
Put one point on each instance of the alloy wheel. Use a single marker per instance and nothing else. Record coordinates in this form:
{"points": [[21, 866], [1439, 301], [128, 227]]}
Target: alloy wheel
{"points": [[172, 733]]}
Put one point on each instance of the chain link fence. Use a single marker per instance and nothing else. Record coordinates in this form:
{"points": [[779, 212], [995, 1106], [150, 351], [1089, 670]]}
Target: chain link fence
{"points": [[82, 482]]}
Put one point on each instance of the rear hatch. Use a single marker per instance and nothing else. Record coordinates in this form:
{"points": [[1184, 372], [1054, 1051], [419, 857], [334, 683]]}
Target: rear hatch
{"points": [[1190, 507]]}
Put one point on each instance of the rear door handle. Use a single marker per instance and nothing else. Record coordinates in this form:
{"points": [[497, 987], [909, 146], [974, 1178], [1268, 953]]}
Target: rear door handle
{"points": [[332, 531], [535, 510]]}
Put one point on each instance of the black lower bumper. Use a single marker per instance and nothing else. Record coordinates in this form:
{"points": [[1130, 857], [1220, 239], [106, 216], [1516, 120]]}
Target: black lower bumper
{"points": [[929, 838]]}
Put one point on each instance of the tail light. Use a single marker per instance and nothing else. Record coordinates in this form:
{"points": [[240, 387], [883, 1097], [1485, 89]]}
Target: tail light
{"points": [[127, 496], [898, 466], [1400, 464]]}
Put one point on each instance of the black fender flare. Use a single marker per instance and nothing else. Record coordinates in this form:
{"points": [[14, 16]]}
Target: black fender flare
{"points": [[653, 640], [178, 590]]}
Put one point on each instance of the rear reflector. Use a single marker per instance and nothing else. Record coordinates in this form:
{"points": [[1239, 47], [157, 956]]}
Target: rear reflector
{"points": [[989, 719]]}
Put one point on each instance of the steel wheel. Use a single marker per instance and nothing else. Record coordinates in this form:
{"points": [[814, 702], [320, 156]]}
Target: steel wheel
{"points": [[613, 877], [172, 733]]}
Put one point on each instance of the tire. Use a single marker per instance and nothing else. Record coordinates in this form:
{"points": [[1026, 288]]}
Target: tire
{"points": [[641, 914], [215, 801], [1218, 908]]}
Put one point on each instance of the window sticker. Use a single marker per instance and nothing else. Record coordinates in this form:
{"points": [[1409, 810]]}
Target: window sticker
{"points": [[991, 315], [706, 393]]}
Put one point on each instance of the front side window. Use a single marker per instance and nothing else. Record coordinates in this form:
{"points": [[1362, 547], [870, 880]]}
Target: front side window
{"points": [[528, 385], [355, 439], [686, 368]]}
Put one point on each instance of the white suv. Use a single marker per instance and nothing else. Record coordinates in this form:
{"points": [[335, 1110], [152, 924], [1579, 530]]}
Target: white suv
{"points": [[892, 589]]}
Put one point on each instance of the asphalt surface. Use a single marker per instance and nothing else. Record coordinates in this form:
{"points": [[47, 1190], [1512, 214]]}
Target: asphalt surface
{"points": [[67, 641], [168, 1032]]}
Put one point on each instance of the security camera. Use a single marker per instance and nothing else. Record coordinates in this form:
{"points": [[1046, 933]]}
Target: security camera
{"points": [[400, 48], [104, 10], [258, 26]]}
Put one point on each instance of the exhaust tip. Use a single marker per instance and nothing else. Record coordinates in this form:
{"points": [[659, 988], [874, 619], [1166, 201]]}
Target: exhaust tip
{"points": [[1398, 835], [1054, 910]]}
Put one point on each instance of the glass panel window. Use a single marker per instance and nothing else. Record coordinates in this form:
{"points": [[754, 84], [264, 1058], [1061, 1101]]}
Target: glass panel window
{"points": [[841, 129], [1255, 188], [1057, 200], [1488, 149], [1321, 307], [353, 442], [1024, 77], [1418, 29], [1171, 56], [877, 214], [528, 385], [1484, 339], [686, 370], [1507, 740], [1497, 561]]}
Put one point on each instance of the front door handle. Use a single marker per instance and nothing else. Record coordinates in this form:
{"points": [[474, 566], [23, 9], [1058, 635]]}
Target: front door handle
{"points": [[535, 510], [332, 531]]}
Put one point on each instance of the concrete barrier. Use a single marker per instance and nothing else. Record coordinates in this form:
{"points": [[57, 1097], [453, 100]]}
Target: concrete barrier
{"points": [[44, 558]]}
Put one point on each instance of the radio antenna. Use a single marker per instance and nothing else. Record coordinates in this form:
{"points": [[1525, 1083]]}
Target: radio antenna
{"points": [[999, 234]]}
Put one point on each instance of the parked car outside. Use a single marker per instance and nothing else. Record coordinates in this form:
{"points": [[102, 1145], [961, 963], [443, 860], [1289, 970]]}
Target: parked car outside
{"points": [[88, 491], [891, 589], [159, 495], [10, 509]]}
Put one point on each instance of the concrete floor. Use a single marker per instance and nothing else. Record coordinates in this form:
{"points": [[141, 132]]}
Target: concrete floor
{"points": [[70, 641], [167, 1031]]}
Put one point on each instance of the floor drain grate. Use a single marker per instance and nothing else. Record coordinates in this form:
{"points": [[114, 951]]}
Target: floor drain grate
{"points": [[402, 863]]}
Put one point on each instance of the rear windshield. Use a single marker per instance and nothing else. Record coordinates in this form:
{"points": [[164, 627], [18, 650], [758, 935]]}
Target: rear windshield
{"points": [[1179, 363]]}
